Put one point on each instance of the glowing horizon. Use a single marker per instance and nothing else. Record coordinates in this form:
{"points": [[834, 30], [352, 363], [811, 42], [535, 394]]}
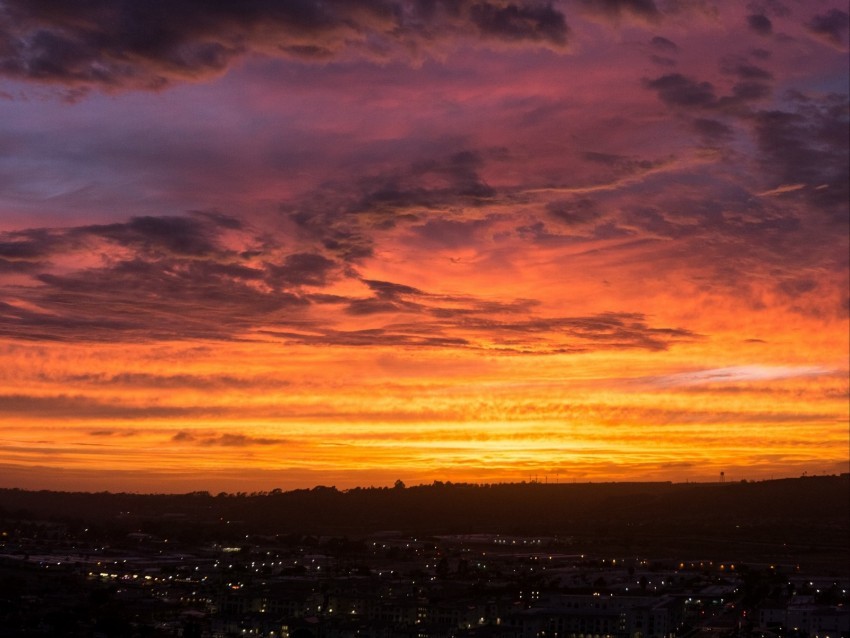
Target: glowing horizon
{"points": [[477, 241]]}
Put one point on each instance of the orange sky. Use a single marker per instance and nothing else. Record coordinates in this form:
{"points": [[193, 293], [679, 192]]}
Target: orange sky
{"points": [[576, 242]]}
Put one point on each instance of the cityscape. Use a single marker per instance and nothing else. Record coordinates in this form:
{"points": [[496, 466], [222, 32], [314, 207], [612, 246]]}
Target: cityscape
{"points": [[180, 573]]}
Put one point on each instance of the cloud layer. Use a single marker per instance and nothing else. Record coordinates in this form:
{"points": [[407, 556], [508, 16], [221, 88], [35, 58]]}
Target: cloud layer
{"points": [[125, 45]]}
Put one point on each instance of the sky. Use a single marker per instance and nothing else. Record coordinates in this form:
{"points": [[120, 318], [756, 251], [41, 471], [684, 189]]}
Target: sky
{"points": [[261, 244]]}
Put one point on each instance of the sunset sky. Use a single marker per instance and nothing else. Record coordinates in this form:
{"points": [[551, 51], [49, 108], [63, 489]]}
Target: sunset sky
{"points": [[260, 244]]}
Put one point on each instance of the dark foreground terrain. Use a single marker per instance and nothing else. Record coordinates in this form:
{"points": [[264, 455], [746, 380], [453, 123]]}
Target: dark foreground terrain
{"points": [[639, 560], [805, 520]]}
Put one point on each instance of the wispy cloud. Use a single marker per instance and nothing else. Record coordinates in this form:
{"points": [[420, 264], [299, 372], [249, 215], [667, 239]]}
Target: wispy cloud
{"points": [[742, 373]]}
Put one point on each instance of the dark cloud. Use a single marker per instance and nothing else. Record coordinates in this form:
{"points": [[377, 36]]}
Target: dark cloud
{"points": [[605, 330], [380, 337], [388, 298], [760, 24], [335, 232], [659, 223], [769, 7], [520, 23], [23, 248], [575, 212], [164, 381], [744, 70], [223, 440], [301, 269], [808, 145], [749, 91], [623, 164], [388, 290], [452, 233], [664, 45], [538, 233], [81, 407], [18, 266], [127, 44], [194, 236], [797, 286], [675, 89], [154, 278], [831, 26], [343, 218], [429, 184], [31, 246], [374, 306], [712, 131], [142, 300], [180, 236], [175, 279], [617, 8], [584, 225], [538, 335]]}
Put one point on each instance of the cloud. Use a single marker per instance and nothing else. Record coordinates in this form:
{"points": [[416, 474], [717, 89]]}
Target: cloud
{"points": [[182, 278], [615, 9], [120, 44], [742, 373], [452, 233], [82, 407], [140, 300], [678, 90], [575, 212], [782, 189], [177, 236], [344, 218], [301, 269], [675, 89], [760, 24], [108, 433], [223, 440], [807, 146], [744, 70], [140, 380], [831, 26], [153, 278], [479, 330], [434, 183], [539, 23], [621, 164], [769, 7], [388, 290], [797, 286], [748, 91], [194, 235], [664, 45], [26, 249], [663, 48], [712, 131]]}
